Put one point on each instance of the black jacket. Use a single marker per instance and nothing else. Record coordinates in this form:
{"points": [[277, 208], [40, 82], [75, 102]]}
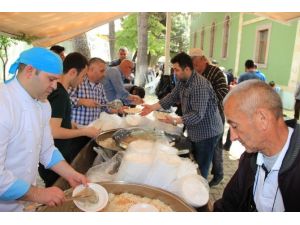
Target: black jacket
{"points": [[238, 194]]}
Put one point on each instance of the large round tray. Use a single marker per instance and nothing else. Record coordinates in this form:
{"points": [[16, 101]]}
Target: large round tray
{"points": [[107, 134], [176, 203], [180, 141]]}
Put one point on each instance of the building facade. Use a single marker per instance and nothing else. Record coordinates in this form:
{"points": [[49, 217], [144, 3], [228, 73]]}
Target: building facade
{"points": [[232, 38]]}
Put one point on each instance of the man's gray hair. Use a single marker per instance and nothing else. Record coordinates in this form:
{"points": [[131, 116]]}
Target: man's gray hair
{"points": [[123, 49], [253, 94]]}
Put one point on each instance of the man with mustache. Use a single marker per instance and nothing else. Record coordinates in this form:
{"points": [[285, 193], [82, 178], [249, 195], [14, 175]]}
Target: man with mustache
{"points": [[267, 178]]}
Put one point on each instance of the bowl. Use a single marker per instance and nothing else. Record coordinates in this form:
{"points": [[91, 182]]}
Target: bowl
{"points": [[92, 207]]}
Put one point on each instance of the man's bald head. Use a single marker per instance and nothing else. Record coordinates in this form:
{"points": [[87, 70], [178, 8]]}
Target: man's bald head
{"points": [[253, 94], [126, 67]]}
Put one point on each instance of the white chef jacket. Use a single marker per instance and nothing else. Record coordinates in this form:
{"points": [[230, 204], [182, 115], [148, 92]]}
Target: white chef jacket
{"points": [[25, 140], [267, 195]]}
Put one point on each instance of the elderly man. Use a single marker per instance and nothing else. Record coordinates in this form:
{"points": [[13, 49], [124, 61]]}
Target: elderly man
{"points": [[217, 79], [267, 178], [122, 54], [114, 85], [199, 107], [25, 134]]}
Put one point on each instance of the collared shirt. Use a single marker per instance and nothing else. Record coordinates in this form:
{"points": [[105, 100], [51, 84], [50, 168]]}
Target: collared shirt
{"points": [[114, 85], [199, 107], [25, 140], [248, 76], [218, 82], [115, 62], [260, 75], [267, 195], [84, 115]]}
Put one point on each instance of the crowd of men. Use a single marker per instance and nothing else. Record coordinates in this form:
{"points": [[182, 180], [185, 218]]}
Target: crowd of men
{"points": [[51, 95]]}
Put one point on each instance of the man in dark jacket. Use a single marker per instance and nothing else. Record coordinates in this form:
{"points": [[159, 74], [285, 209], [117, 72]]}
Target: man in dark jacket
{"points": [[267, 178]]}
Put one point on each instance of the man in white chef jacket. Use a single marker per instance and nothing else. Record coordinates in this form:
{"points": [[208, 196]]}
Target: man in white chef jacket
{"points": [[25, 134]]}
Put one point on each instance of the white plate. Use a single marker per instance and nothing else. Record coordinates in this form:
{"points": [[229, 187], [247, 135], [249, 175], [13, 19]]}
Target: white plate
{"points": [[102, 195], [143, 207]]}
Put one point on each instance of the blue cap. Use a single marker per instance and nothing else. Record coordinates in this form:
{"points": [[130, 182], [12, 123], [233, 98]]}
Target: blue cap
{"points": [[41, 59]]}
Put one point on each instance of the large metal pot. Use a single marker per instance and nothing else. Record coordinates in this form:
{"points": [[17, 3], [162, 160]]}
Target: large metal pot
{"points": [[176, 203], [105, 135], [181, 143]]}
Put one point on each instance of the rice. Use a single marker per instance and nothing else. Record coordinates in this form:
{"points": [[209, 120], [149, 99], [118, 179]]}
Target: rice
{"points": [[122, 203]]}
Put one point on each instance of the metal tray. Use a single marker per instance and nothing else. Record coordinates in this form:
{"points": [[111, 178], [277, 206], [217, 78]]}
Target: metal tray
{"points": [[176, 203]]}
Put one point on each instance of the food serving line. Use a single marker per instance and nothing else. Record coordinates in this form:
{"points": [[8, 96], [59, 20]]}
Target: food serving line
{"points": [[120, 145]]}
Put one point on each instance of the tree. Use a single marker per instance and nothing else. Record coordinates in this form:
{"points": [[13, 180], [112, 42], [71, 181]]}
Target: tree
{"points": [[142, 64], [111, 38], [128, 36], [5, 43], [179, 33], [81, 45]]}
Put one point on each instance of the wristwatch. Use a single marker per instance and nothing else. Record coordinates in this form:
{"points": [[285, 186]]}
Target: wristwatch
{"points": [[174, 122]]}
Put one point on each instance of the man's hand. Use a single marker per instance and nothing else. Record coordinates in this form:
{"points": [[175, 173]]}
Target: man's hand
{"points": [[91, 132], [147, 109], [76, 179], [72, 176], [52, 196], [74, 125], [171, 120], [135, 99], [90, 103]]}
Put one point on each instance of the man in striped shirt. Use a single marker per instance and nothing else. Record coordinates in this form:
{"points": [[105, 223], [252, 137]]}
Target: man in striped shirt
{"points": [[217, 79], [89, 99], [199, 107]]}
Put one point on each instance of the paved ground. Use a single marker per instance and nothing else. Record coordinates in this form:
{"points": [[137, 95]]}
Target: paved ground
{"points": [[230, 167]]}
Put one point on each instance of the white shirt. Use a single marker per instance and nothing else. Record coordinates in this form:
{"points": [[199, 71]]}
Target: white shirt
{"points": [[267, 195], [25, 138]]}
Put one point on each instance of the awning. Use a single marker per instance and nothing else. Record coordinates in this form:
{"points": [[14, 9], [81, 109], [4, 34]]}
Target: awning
{"points": [[280, 16], [50, 28]]}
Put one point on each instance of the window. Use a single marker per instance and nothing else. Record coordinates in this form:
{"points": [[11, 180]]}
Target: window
{"points": [[212, 39], [262, 45], [195, 39], [202, 38], [225, 37]]}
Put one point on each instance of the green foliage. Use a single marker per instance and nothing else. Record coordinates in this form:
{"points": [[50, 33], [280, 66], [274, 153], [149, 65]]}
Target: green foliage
{"points": [[6, 42], [179, 34], [156, 33], [128, 35]]}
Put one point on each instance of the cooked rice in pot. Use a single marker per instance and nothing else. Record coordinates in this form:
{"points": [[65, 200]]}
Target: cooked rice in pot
{"points": [[122, 203]]}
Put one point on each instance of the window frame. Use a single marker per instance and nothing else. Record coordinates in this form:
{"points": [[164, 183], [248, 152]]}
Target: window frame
{"points": [[212, 39], [257, 45], [202, 37], [227, 18], [195, 40]]}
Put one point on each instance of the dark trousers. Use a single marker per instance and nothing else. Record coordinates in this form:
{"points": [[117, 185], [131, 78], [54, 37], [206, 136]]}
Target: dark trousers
{"points": [[203, 152], [228, 142], [217, 162], [297, 109], [48, 176]]}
